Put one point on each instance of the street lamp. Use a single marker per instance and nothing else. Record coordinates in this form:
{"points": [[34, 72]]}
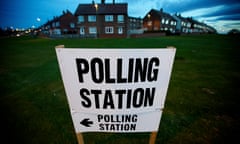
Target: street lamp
{"points": [[96, 7]]}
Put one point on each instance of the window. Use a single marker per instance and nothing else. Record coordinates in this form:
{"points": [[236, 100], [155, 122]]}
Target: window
{"points": [[163, 21], [108, 18], [167, 21], [149, 23], [57, 24], [80, 18], [72, 25], [57, 31], [109, 30], [65, 31], [92, 30], [120, 18], [92, 18]]}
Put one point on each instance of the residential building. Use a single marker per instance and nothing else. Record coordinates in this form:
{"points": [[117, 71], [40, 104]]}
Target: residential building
{"points": [[102, 20], [157, 20], [111, 20], [196, 27], [64, 24], [183, 24], [135, 25]]}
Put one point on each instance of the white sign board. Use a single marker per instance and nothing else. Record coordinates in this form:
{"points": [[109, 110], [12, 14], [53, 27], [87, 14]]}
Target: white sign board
{"points": [[116, 90]]}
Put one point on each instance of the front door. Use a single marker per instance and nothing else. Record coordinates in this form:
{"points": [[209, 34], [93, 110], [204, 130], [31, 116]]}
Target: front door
{"points": [[82, 31]]}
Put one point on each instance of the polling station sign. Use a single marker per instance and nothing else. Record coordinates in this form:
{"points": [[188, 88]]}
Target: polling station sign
{"points": [[116, 90]]}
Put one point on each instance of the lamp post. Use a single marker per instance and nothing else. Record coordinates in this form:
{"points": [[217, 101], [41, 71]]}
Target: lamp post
{"points": [[96, 7], [149, 23]]}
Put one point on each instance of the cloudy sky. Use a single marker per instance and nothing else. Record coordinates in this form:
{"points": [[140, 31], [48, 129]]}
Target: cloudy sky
{"points": [[221, 14]]}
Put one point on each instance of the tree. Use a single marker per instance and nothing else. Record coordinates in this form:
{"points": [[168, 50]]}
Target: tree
{"points": [[234, 32]]}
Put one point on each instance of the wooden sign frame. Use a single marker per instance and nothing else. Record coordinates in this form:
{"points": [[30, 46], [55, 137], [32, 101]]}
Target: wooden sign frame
{"points": [[80, 139]]}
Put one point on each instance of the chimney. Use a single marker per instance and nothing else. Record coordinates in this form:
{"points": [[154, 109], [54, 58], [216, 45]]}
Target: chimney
{"points": [[103, 2]]}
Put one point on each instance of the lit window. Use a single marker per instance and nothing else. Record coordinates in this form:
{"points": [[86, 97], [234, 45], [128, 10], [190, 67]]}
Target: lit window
{"points": [[92, 18], [163, 21], [109, 30], [92, 30], [149, 23], [108, 18], [167, 22]]}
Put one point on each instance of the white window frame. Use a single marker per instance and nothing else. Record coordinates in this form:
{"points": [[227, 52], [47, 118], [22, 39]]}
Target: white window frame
{"points": [[108, 18], [109, 30]]}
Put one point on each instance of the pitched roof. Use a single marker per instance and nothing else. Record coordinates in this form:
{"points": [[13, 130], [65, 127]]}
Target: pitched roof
{"points": [[160, 13], [84, 9], [181, 18]]}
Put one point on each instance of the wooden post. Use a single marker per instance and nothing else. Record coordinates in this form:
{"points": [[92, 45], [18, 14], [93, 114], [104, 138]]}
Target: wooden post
{"points": [[153, 137], [80, 138], [60, 46], [79, 135]]}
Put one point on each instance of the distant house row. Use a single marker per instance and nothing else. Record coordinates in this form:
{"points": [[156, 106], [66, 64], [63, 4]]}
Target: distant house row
{"points": [[112, 20], [157, 20]]}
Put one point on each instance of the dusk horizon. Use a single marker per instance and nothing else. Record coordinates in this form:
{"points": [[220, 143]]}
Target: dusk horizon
{"points": [[222, 15]]}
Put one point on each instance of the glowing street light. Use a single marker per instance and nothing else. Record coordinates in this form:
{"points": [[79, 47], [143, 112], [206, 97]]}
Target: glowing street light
{"points": [[149, 16], [38, 19], [96, 7]]}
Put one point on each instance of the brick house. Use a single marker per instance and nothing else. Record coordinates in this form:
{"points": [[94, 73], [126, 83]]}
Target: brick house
{"points": [[64, 24], [102, 20], [157, 20], [198, 27], [183, 24]]}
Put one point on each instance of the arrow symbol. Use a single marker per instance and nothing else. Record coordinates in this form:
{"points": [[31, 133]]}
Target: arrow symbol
{"points": [[86, 122]]}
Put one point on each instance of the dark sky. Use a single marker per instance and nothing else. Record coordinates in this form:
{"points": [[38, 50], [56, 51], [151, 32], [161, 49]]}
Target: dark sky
{"points": [[222, 14]]}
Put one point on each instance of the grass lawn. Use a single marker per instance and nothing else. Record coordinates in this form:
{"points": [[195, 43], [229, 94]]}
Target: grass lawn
{"points": [[202, 104]]}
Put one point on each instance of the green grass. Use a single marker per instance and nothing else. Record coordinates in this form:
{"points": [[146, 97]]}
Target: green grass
{"points": [[202, 104]]}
